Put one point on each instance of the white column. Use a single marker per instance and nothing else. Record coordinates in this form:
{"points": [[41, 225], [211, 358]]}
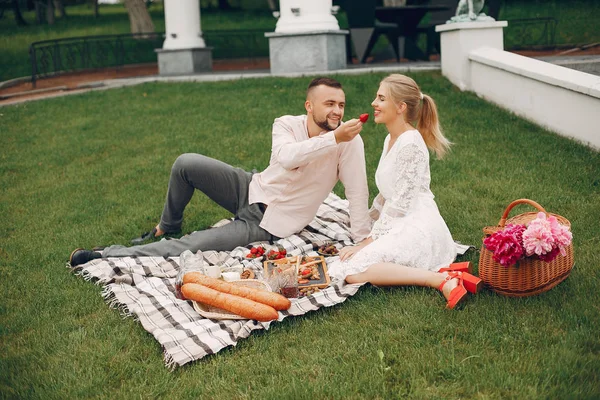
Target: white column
{"points": [[458, 39], [306, 16], [182, 25], [184, 51]]}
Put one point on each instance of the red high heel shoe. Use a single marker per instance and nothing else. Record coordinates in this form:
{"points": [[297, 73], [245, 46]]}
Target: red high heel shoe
{"points": [[458, 267], [472, 283], [458, 294]]}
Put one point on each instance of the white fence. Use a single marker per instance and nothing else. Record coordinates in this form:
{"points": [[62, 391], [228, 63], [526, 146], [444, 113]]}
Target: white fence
{"points": [[560, 99]]}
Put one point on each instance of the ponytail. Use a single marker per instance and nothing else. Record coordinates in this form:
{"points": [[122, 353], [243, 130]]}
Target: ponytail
{"points": [[429, 126]]}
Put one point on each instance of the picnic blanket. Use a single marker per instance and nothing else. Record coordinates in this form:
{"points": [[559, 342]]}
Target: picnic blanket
{"points": [[144, 288]]}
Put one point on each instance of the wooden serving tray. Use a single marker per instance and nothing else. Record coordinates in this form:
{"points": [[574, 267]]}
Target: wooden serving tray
{"points": [[325, 280]]}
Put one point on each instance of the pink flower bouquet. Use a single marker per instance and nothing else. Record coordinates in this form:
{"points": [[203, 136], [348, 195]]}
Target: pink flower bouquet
{"points": [[543, 238]]}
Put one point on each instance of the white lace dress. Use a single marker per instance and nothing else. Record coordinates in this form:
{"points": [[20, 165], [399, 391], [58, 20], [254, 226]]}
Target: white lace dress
{"points": [[409, 229]]}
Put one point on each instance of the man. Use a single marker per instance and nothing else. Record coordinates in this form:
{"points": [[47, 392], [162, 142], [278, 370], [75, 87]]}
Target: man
{"points": [[309, 154]]}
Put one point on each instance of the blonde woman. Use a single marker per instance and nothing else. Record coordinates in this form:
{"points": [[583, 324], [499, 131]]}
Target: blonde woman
{"points": [[409, 243]]}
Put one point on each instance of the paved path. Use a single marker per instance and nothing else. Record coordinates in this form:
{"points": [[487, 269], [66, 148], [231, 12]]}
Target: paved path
{"points": [[21, 90], [86, 81]]}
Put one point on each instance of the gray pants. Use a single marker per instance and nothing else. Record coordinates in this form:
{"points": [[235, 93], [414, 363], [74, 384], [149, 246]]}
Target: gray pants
{"points": [[225, 185]]}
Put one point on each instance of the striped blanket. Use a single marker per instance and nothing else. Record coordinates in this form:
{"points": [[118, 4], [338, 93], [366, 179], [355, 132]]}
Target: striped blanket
{"points": [[144, 288]]}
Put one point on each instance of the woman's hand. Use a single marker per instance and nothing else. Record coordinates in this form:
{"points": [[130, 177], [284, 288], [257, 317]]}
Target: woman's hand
{"points": [[348, 252]]}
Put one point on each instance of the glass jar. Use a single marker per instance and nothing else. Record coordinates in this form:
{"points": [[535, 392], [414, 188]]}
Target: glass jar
{"points": [[188, 262]]}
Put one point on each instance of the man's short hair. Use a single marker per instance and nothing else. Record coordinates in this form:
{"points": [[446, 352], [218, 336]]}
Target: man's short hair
{"points": [[323, 81]]}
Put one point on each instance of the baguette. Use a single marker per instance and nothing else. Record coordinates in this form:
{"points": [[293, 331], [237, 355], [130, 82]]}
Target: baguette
{"points": [[238, 305], [311, 263], [274, 300]]}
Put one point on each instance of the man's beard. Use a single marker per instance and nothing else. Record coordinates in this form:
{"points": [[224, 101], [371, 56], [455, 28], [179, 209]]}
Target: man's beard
{"points": [[324, 125]]}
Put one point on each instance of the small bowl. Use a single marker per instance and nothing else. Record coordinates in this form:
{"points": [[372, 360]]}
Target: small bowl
{"points": [[322, 253]]}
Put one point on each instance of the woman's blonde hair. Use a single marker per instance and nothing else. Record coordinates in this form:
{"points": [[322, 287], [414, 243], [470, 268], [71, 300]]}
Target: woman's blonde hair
{"points": [[405, 90]]}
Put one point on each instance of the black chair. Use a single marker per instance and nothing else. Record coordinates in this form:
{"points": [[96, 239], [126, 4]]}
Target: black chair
{"points": [[493, 8], [365, 29], [436, 18]]}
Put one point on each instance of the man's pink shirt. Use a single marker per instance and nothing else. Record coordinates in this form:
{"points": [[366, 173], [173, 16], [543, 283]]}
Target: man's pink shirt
{"points": [[303, 171]]}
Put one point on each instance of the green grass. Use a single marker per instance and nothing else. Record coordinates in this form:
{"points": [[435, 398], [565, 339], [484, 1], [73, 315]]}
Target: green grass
{"points": [[92, 169]]}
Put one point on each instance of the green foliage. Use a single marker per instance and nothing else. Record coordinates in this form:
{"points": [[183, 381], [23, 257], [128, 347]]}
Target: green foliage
{"points": [[576, 25], [577, 20], [15, 41], [92, 169]]}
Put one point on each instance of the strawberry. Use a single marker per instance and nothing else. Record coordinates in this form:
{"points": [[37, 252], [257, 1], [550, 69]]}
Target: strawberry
{"points": [[363, 118]]}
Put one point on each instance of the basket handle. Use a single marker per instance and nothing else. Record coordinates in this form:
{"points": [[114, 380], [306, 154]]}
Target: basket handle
{"points": [[516, 202]]}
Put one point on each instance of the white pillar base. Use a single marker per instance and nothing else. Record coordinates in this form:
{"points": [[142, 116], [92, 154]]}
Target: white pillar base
{"points": [[184, 61], [307, 51], [459, 39]]}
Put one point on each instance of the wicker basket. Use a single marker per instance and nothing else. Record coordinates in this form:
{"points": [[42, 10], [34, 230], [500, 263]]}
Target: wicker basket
{"points": [[529, 276]]}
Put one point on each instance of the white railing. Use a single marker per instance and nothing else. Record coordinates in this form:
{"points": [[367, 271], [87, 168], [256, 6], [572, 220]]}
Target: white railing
{"points": [[563, 100], [560, 99]]}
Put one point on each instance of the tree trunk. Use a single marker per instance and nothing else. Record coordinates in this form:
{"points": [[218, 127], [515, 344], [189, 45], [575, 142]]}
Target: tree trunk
{"points": [[59, 5], [139, 17], [39, 16], [50, 12], [17, 11]]}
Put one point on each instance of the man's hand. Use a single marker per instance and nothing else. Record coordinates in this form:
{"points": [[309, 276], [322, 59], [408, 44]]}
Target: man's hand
{"points": [[348, 130]]}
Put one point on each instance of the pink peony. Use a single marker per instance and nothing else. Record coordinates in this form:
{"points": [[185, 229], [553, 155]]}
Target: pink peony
{"points": [[491, 242], [561, 234], [537, 238], [516, 231], [544, 238], [551, 255], [506, 245]]}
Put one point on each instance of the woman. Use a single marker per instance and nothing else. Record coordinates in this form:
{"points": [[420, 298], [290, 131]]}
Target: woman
{"points": [[409, 243]]}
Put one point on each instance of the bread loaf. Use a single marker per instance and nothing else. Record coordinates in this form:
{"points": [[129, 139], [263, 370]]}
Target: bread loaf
{"points": [[274, 300], [238, 305]]}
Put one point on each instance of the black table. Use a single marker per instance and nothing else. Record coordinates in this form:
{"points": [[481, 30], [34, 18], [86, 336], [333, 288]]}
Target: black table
{"points": [[408, 19]]}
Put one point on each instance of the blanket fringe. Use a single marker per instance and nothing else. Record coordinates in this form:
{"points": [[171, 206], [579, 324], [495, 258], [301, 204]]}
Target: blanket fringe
{"points": [[88, 276], [169, 361], [111, 299]]}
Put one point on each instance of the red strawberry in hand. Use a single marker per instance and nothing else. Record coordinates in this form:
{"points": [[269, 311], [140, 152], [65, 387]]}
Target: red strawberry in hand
{"points": [[363, 118]]}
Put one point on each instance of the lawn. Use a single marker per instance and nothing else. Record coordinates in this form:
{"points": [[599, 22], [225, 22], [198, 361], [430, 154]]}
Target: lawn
{"points": [[92, 169]]}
